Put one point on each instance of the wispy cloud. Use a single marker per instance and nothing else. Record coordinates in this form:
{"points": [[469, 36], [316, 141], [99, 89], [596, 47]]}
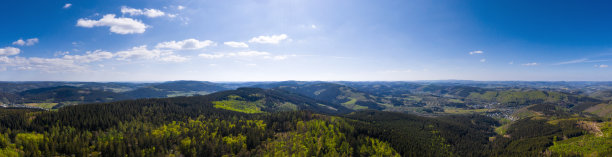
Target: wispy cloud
{"points": [[582, 60], [530, 64], [601, 66], [483, 60], [151, 13], [67, 5], [246, 54], [476, 52]]}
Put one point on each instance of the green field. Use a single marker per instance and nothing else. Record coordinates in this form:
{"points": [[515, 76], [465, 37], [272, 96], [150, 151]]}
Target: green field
{"points": [[41, 105], [239, 106]]}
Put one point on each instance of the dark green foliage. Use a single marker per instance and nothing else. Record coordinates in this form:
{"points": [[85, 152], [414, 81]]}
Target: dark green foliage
{"points": [[162, 90], [531, 137], [69, 93], [273, 97], [411, 135]]}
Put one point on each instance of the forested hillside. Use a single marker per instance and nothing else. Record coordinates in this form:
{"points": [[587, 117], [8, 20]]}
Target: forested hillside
{"points": [[193, 126], [303, 119]]}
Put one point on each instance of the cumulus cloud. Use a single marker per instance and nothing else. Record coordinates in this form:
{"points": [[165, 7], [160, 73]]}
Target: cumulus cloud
{"points": [[530, 64], [142, 52], [28, 42], [67, 5], [151, 13], [187, 44], [90, 56], [476, 52], [236, 44], [180, 7], [50, 65], [274, 39], [9, 51], [120, 25], [67, 62]]}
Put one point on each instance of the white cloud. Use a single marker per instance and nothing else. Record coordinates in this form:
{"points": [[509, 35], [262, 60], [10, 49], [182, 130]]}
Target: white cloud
{"points": [[120, 25], [187, 44], [173, 58], [180, 7], [246, 54], [151, 13], [28, 42], [313, 26], [483, 60], [601, 66], [49, 65], [90, 56], [583, 60], [211, 56], [141, 52], [9, 51], [67, 5], [511, 62], [530, 64], [236, 44], [476, 52], [274, 39]]}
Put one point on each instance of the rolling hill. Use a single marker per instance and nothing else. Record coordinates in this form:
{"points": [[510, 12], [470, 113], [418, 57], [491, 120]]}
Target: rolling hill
{"points": [[175, 88]]}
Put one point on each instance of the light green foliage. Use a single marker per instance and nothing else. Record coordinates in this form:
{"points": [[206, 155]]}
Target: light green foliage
{"points": [[312, 138], [351, 104], [323, 138], [375, 147], [587, 145], [168, 131], [239, 106], [236, 143], [286, 106], [41, 105], [6, 147]]}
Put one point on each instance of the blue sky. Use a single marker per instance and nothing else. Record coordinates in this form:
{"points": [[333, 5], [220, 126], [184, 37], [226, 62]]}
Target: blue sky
{"points": [[391, 40]]}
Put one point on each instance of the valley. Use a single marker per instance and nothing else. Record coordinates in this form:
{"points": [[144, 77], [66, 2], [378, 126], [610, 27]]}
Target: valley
{"points": [[397, 118]]}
